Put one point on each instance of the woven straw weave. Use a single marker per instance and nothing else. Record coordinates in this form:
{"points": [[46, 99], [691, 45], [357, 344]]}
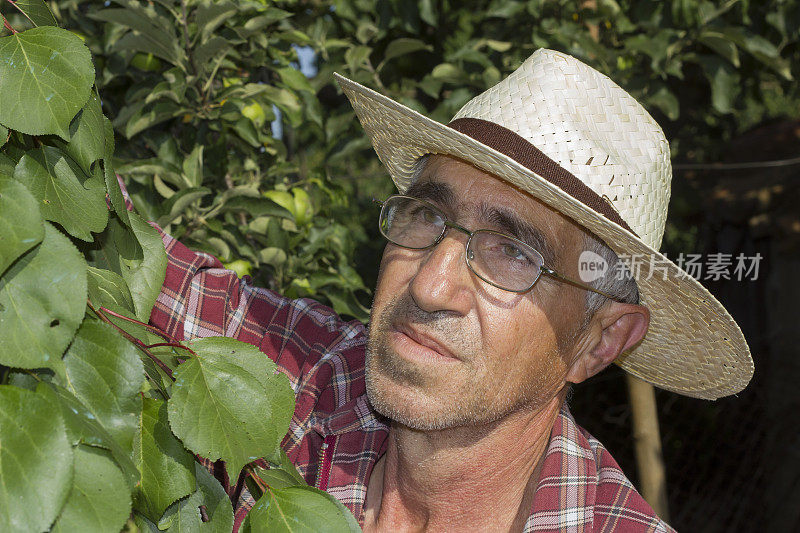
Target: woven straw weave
{"points": [[595, 130]]}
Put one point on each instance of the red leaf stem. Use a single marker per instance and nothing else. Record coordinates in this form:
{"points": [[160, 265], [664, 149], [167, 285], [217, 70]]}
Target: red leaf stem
{"points": [[172, 345], [139, 344], [154, 329], [7, 25]]}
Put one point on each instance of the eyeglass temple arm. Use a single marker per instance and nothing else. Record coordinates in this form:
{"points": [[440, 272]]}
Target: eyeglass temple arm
{"points": [[553, 274]]}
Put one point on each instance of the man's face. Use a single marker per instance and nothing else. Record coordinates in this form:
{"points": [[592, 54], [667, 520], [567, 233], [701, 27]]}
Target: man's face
{"points": [[447, 349]]}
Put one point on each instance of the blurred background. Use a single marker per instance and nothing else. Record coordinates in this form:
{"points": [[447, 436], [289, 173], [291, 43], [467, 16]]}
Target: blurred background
{"points": [[231, 134]]}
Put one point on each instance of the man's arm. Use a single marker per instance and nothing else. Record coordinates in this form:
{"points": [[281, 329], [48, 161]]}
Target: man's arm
{"points": [[200, 298]]}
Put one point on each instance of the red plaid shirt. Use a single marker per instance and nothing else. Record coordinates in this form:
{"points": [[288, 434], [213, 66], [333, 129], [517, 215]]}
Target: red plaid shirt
{"points": [[335, 438]]}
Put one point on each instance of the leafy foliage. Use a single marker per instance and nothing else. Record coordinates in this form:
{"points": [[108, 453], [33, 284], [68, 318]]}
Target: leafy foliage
{"points": [[192, 89], [97, 411]]}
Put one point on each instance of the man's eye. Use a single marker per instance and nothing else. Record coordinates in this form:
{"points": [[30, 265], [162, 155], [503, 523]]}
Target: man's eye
{"points": [[430, 216], [513, 252]]}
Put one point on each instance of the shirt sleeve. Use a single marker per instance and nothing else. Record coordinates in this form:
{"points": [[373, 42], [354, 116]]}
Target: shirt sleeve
{"points": [[200, 298]]}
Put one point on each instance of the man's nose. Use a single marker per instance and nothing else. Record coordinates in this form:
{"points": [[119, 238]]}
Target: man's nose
{"points": [[443, 280]]}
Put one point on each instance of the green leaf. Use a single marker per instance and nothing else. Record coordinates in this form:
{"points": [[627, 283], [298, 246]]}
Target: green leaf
{"points": [[113, 188], [6, 166], [721, 45], [205, 55], [83, 428], [21, 224], [146, 37], [193, 166], [178, 202], [427, 12], [281, 461], [107, 289], [286, 100], [145, 276], [760, 48], [294, 79], [281, 474], [724, 82], [356, 57], [666, 101], [36, 11], [45, 78], [99, 500], [257, 207], [42, 302], [210, 15], [267, 17], [299, 509], [65, 194], [35, 461], [499, 46], [149, 117], [245, 128], [137, 254], [3, 135], [185, 516], [229, 403], [403, 46], [104, 372], [447, 72], [167, 468], [89, 139]]}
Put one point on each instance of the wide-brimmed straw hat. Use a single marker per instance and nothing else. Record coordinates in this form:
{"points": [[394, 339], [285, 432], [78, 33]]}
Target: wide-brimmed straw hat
{"points": [[571, 137]]}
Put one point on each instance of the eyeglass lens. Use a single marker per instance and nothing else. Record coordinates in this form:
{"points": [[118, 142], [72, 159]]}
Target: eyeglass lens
{"points": [[501, 260]]}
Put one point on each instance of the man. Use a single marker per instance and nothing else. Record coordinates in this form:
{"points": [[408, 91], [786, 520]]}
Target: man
{"points": [[450, 414]]}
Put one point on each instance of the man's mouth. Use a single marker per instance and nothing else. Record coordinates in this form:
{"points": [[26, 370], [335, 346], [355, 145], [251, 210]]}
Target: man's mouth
{"points": [[414, 344]]}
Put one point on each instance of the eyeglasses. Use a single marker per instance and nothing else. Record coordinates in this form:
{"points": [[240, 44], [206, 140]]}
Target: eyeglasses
{"points": [[500, 260]]}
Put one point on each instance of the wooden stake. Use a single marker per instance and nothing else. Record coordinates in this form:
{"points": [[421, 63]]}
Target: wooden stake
{"points": [[647, 445]]}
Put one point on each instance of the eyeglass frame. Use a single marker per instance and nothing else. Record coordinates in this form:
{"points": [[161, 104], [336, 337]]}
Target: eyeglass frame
{"points": [[547, 271]]}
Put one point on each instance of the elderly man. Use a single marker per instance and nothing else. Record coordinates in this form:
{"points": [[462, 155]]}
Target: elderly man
{"points": [[450, 414]]}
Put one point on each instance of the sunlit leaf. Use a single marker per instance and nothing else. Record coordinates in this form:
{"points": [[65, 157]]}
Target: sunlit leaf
{"points": [[83, 427], [45, 79], [299, 509], [167, 468], [403, 46], [42, 302], [108, 289], [89, 136], [36, 11], [65, 194], [35, 461], [21, 225], [99, 499], [724, 82], [105, 374], [186, 516], [230, 402], [137, 254], [146, 36]]}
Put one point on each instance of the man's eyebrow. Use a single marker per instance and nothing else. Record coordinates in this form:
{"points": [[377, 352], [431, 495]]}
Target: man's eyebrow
{"points": [[505, 220], [508, 222], [435, 192]]}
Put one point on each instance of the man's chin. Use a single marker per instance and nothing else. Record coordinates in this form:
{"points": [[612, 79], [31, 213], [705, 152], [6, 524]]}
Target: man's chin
{"points": [[422, 408]]}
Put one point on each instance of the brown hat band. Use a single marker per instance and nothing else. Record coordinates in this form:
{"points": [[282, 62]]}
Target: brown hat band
{"points": [[523, 152]]}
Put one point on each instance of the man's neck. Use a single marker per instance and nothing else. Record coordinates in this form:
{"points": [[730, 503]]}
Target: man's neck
{"points": [[472, 478]]}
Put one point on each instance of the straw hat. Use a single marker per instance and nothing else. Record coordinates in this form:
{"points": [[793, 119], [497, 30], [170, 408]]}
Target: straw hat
{"points": [[575, 140]]}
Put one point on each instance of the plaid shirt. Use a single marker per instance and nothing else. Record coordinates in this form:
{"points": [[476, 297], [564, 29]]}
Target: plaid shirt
{"points": [[335, 438]]}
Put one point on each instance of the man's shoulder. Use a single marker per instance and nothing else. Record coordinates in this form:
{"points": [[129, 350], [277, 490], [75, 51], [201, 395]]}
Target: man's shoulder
{"points": [[581, 484]]}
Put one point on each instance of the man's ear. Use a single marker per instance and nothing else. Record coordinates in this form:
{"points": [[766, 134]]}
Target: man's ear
{"points": [[614, 328]]}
